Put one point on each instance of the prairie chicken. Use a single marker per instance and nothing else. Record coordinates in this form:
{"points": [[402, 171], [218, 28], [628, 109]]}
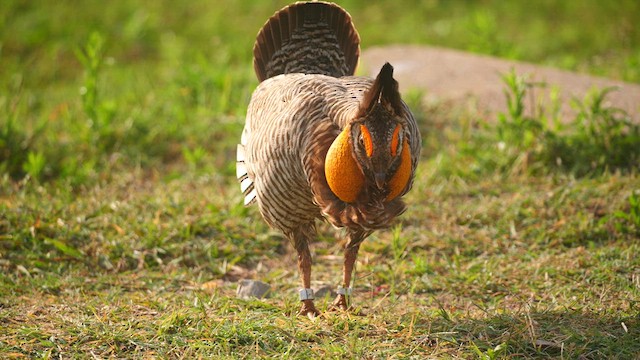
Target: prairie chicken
{"points": [[321, 143]]}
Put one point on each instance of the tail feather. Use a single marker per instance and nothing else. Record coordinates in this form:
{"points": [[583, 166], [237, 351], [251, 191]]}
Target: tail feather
{"points": [[307, 37]]}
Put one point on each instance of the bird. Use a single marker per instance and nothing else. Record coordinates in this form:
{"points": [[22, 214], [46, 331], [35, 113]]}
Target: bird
{"points": [[321, 143]]}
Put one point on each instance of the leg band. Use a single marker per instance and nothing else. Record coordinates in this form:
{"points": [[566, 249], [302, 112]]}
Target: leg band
{"points": [[306, 294]]}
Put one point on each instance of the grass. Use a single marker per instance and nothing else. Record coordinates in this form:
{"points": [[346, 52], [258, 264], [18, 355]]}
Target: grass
{"points": [[122, 232]]}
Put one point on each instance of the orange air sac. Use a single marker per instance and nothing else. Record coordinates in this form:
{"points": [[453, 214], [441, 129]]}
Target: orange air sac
{"points": [[344, 176], [401, 178]]}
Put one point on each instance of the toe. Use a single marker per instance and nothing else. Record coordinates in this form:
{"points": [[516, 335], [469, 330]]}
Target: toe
{"points": [[308, 309], [340, 303]]}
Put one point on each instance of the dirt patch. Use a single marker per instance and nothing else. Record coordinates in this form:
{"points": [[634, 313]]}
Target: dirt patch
{"points": [[456, 76]]}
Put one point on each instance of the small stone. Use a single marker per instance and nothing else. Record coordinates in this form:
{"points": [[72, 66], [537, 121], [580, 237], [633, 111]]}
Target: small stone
{"points": [[324, 291], [252, 289], [104, 262]]}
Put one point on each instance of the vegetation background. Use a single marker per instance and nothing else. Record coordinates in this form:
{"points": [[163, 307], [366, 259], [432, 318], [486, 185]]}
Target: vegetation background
{"points": [[122, 232]]}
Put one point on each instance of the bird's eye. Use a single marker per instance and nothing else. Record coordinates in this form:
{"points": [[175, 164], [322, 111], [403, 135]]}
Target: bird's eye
{"points": [[361, 141]]}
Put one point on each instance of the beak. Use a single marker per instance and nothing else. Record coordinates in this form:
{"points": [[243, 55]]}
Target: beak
{"points": [[381, 180]]}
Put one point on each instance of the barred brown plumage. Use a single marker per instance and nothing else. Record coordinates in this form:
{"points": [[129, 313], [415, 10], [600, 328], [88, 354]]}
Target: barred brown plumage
{"points": [[306, 55]]}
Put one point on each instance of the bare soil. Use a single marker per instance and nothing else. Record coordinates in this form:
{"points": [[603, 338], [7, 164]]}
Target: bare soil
{"points": [[470, 79]]}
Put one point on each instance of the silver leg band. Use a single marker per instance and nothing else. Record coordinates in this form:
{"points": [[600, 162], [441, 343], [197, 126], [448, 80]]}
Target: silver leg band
{"points": [[306, 294], [344, 291]]}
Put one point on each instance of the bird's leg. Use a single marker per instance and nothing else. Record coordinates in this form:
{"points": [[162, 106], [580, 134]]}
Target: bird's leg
{"points": [[301, 243], [304, 266], [350, 256], [351, 247]]}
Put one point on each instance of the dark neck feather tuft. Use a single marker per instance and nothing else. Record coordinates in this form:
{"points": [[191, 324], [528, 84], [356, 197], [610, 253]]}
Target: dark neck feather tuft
{"points": [[383, 91]]}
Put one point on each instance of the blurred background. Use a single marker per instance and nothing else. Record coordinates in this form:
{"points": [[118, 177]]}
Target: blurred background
{"points": [[82, 81]]}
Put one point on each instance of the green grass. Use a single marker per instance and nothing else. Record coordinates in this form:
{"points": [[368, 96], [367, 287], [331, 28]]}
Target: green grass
{"points": [[122, 232]]}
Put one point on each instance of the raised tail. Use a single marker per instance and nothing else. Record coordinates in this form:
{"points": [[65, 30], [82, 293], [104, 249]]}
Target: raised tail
{"points": [[307, 37]]}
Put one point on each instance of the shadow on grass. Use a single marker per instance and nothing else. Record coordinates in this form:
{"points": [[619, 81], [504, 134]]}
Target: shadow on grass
{"points": [[568, 334]]}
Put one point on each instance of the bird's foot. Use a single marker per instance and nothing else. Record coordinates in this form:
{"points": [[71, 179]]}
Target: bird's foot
{"points": [[309, 309], [340, 304]]}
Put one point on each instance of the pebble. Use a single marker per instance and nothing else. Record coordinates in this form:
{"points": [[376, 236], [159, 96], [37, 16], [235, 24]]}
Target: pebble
{"points": [[324, 291], [252, 289]]}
